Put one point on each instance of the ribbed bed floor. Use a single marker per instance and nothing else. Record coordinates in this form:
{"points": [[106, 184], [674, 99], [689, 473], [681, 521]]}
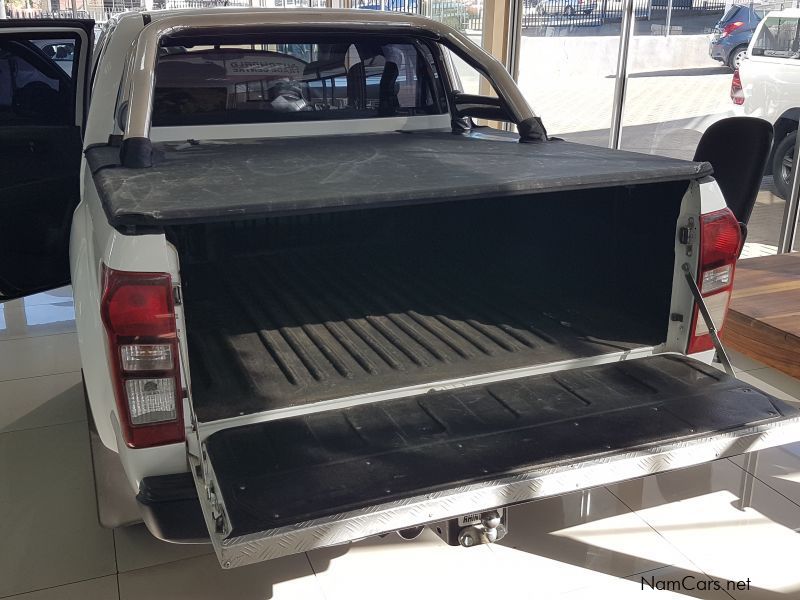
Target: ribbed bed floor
{"points": [[268, 332]]}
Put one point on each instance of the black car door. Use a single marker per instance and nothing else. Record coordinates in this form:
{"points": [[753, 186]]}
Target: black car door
{"points": [[44, 67]]}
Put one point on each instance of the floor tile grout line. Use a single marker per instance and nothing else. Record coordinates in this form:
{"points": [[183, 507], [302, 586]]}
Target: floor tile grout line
{"points": [[84, 420], [35, 427], [659, 534], [317, 579], [55, 587], [167, 562], [8, 336], [116, 559], [2, 381], [37, 337], [757, 478], [14, 337]]}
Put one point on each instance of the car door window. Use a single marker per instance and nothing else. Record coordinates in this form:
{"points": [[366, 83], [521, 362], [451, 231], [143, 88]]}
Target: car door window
{"points": [[36, 82], [778, 38]]}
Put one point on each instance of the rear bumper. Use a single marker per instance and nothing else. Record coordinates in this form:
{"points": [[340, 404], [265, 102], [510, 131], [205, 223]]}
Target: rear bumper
{"points": [[171, 509], [718, 52]]}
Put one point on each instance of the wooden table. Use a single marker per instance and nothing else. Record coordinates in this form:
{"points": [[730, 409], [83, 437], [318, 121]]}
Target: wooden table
{"points": [[764, 317]]}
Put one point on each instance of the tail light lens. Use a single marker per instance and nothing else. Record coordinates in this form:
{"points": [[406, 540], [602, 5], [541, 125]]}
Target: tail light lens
{"points": [[730, 28], [139, 316], [737, 92], [720, 243]]}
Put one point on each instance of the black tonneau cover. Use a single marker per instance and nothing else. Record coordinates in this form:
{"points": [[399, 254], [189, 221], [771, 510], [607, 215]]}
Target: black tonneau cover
{"points": [[209, 181]]}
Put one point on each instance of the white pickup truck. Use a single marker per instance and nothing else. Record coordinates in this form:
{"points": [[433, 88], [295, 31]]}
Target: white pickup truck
{"points": [[316, 302], [767, 86]]}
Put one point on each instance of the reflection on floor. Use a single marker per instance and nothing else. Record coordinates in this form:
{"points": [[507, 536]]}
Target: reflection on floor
{"points": [[732, 520]]}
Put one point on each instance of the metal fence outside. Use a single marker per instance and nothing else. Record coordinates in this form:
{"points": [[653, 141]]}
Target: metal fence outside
{"points": [[99, 10], [593, 13], [464, 15]]}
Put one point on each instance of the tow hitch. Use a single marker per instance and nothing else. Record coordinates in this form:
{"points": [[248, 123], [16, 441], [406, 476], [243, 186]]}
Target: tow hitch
{"points": [[474, 529]]}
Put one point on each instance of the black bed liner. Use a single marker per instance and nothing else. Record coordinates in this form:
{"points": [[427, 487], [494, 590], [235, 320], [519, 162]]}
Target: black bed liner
{"points": [[211, 181], [293, 470], [272, 331]]}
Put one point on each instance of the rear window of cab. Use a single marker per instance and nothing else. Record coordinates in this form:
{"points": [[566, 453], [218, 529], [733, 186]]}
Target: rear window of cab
{"points": [[779, 37], [295, 79]]}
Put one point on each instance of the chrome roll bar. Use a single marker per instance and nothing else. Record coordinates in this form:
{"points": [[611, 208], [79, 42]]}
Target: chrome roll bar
{"points": [[140, 76]]}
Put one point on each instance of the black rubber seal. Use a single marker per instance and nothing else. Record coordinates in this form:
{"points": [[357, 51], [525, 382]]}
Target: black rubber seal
{"points": [[532, 130]]}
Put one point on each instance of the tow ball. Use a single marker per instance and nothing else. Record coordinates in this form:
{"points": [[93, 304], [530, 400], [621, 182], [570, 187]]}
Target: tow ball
{"points": [[474, 529]]}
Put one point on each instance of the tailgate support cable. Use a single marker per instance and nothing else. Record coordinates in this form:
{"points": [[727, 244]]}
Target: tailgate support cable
{"points": [[722, 356]]}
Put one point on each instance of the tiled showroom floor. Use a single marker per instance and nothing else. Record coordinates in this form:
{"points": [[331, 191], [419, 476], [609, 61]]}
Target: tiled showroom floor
{"points": [[597, 544]]}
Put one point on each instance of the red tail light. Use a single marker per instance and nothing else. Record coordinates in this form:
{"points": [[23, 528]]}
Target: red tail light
{"points": [[730, 28], [737, 92], [139, 315], [720, 243]]}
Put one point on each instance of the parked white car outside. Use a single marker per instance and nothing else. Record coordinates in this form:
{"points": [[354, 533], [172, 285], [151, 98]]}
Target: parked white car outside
{"points": [[767, 85]]}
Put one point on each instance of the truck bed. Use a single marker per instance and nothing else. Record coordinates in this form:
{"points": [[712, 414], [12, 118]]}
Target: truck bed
{"points": [[269, 332], [194, 182]]}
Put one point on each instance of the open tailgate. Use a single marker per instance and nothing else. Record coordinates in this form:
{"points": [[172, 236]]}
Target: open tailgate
{"points": [[289, 485]]}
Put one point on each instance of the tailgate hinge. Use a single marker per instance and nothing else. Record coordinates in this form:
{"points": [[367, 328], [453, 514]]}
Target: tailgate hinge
{"points": [[688, 235], [212, 495]]}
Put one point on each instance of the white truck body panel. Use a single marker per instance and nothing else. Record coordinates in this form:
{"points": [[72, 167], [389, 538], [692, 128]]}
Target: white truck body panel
{"points": [[152, 253]]}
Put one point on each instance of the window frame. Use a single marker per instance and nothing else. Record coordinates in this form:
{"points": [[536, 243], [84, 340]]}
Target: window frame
{"points": [[439, 94]]}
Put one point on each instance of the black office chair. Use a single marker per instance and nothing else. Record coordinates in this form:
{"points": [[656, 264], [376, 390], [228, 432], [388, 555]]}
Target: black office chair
{"points": [[738, 148]]}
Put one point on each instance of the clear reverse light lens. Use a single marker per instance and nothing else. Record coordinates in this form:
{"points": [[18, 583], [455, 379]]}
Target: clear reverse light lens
{"points": [[146, 357], [151, 400], [717, 305], [716, 278]]}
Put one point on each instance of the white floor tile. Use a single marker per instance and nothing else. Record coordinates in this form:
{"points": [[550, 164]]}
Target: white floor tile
{"points": [[41, 401], [758, 380], [781, 381], [581, 539], [102, 588], [47, 313], [391, 568], [573, 541], [743, 362], [49, 530], [138, 549], [700, 512], [201, 578], [35, 356], [666, 583], [778, 467]]}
